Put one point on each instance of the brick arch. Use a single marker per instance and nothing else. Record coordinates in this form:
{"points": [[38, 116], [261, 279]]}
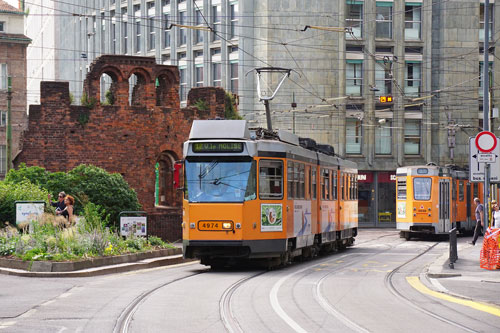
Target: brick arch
{"points": [[117, 80], [138, 94], [165, 191], [165, 81]]}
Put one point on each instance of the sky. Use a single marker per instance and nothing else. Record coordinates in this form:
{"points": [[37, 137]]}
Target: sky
{"points": [[14, 3]]}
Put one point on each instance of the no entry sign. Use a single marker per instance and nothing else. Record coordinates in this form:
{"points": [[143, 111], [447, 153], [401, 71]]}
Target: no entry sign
{"points": [[486, 141]]}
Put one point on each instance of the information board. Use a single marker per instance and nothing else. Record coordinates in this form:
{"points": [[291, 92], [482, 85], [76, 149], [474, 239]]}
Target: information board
{"points": [[28, 211], [136, 225]]}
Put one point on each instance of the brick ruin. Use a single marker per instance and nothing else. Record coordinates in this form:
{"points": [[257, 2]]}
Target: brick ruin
{"points": [[144, 127]]}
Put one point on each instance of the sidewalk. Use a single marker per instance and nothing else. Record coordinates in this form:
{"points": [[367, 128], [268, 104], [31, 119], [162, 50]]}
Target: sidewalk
{"points": [[467, 280]]}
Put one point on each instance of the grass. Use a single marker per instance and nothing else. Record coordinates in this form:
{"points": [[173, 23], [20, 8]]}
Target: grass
{"points": [[51, 238]]}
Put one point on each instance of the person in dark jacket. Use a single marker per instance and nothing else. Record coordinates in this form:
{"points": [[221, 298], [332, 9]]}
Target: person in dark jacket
{"points": [[479, 220], [59, 204]]}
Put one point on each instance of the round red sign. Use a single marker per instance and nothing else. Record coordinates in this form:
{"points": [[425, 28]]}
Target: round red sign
{"points": [[486, 141]]}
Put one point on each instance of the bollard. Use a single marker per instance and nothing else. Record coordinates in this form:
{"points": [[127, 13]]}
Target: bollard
{"points": [[453, 247]]}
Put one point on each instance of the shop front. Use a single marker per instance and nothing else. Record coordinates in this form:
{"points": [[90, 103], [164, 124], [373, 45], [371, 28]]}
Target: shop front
{"points": [[377, 198]]}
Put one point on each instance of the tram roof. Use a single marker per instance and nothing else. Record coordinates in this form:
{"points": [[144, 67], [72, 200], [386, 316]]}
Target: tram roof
{"points": [[219, 129]]}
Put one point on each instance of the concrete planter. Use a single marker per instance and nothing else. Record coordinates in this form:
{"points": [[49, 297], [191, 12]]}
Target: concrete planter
{"points": [[71, 266]]}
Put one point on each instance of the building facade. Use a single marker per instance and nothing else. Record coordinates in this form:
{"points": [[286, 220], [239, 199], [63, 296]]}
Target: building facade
{"points": [[347, 57], [13, 45]]}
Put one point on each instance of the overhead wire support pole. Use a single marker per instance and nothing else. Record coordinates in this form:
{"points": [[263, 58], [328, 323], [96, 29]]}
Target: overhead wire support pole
{"points": [[486, 106], [9, 124]]}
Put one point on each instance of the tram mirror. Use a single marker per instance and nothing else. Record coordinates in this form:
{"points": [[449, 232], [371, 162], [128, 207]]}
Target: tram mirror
{"points": [[178, 165]]}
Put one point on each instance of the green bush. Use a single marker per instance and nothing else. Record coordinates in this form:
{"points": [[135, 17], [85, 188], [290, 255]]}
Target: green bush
{"points": [[12, 192], [87, 183]]}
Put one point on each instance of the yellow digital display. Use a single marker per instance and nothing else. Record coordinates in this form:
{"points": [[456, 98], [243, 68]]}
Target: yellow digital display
{"points": [[218, 147]]}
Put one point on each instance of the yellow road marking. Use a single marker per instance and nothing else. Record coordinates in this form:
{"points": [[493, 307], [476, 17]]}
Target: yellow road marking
{"points": [[414, 281]]}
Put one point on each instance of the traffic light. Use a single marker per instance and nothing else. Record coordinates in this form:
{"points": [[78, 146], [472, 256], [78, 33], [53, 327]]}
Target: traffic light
{"points": [[385, 99]]}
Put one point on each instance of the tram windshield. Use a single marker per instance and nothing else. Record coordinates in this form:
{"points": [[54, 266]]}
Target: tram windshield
{"points": [[220, 181], [422, 188]]}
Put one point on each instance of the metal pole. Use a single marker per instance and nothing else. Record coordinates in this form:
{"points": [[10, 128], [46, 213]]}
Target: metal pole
{"points": [[486, 104], [268, 115], [9, 124]]}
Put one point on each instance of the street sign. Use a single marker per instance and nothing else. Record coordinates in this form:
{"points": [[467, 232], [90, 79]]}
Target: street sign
{"points": [[477, 164], [486, 158], [486, 141]]}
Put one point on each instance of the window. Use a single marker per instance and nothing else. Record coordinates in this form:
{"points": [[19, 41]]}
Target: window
{"points": [[220, 181], [216, 74], [384, 20], [2, 26], [354, 77], [166, 31], [3, 76], [353, 136], [113, 32], [383, 138], [413, 78], [289, 177], [3, 159], [3, 118], [199, 75], [413, 21], [182, 84], [182, 31], [334, 186], [103, 32], [234, 20], [481, 21], [199, 22], [422, 188], [151, 26], [481, 76], [270, 179], [314, 183], [461, 191], [325, 184], [216, 17], [401, 185], [383, 78], [137, 18], [234, 77], [412, 136], [124, 31], [301, 185], [354, 18], [342, 181]]}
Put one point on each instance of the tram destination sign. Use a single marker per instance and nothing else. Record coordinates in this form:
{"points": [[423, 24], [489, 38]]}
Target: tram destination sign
{"points": [[217, 147]]}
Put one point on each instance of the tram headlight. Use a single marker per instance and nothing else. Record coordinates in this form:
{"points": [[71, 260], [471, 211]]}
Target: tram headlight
{"points": [[192, 225], [238, 225], [227, 225]]}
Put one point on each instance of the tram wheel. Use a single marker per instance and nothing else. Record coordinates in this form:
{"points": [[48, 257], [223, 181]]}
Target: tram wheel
{"points": [[407, 235]]}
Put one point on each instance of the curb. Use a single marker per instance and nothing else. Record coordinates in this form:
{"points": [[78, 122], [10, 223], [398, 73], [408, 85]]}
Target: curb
{"points": [[99, 266]]}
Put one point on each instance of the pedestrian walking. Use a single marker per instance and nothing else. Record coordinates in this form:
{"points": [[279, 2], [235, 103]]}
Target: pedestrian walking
{"points": [[479, 220]]}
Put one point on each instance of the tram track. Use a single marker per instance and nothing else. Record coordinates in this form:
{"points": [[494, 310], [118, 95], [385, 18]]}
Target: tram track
{"points": [[226, 314], [320, 299], [123, 322], [388, 281]]}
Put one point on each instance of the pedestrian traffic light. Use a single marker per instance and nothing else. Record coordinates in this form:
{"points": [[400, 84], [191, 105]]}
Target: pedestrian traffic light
{"points": [[385, 99]]}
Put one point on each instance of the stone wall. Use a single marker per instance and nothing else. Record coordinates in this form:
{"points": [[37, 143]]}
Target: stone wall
{"points": [[124, 138]]}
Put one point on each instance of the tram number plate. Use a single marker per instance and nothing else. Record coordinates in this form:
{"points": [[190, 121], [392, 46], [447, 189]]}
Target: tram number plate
{"points": [[210, 226]]}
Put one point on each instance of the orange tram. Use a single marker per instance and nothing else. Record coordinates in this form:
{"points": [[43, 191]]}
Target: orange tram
{"points": [[433, 200], [263, 195]]}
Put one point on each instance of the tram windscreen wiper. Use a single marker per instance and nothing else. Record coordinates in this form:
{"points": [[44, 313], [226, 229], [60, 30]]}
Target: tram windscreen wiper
{"points": [[207, 170]]}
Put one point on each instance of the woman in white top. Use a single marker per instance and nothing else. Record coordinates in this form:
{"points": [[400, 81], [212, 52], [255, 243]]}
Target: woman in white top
{"points": [[496, 216]]}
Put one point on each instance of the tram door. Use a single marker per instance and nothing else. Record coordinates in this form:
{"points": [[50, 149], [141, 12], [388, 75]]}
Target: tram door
{"points": [[444, 205]]}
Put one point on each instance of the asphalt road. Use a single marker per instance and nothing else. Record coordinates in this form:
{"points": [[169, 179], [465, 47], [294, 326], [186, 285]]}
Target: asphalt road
{"points": [[371, 287]]}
